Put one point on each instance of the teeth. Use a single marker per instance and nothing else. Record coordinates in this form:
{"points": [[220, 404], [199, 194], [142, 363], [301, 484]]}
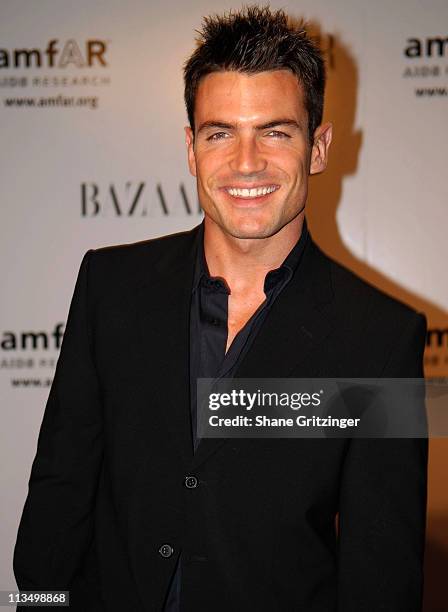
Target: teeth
{"points": [[251, 193]]}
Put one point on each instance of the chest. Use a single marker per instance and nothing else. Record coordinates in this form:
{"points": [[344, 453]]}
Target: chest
{"points": [[240, 310]]}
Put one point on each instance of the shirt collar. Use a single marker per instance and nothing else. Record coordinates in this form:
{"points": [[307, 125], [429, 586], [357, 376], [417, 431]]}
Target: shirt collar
{"points": [[201, 273], [286, 269]]}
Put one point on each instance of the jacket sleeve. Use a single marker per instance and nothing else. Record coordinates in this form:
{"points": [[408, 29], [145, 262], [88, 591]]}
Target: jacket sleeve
{"points": [[382, 509], [56, 526]]}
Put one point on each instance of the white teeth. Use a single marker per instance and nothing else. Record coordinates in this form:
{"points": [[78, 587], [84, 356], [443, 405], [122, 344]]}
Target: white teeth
{"points": [[250, 193]]}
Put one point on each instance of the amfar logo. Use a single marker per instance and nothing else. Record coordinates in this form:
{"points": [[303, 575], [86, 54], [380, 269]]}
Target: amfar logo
{"points": [[426, 47], [437, 337], [34, 340], [56, 55], [133, 199]]}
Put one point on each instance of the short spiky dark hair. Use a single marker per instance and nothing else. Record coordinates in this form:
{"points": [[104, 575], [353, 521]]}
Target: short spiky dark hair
{"points": [[252, 40]]}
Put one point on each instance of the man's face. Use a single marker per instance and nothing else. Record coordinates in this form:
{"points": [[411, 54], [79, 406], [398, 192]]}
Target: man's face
{"points": [[251, 153]]}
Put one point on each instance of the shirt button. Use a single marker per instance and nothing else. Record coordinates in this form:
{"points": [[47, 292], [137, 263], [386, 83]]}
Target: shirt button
{"points": [[166, 550], [191, 482]]}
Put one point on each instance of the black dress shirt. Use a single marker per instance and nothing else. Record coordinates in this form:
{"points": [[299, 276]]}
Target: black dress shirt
{"points": [[208, 339]]}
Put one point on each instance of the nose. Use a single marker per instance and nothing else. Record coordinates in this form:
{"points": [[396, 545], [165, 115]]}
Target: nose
{"points": [[247, 158]]}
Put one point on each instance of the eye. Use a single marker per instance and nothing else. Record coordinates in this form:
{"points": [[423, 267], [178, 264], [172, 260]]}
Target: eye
{"points": [[277, 134], [217, 136]]}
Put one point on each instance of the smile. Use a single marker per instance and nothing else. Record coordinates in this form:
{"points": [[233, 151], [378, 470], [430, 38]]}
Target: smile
{"points": [[254, 192]]}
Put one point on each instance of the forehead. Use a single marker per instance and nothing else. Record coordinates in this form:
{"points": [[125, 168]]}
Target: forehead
{"points": [[238, 96]]}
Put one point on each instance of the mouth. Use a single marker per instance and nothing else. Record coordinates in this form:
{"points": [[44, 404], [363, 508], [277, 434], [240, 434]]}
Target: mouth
{"points": [[251, 193]]}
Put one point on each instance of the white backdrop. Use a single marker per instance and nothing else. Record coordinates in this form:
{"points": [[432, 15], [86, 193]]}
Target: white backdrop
{"points": [[93, 154]]}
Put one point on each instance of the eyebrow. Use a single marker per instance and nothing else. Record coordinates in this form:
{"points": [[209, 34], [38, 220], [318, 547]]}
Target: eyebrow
{"points": [[264, 126]]}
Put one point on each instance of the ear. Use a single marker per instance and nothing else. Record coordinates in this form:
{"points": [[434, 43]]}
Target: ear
{"points": [[189, 141], [319, 153]]}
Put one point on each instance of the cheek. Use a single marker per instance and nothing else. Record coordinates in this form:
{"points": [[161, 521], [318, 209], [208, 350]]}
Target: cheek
{"points": [[209, 167], [289, 161]]}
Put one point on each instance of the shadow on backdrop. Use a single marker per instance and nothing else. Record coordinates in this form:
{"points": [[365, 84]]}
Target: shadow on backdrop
{"points": [[323, 201]]}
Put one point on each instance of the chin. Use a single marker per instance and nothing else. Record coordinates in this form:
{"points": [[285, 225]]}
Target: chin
{"points": [[245, 229]]}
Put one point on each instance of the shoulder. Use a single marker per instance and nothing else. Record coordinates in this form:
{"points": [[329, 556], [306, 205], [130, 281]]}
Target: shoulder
{"points": [[356, 296], [135, 263], [371, 323]]}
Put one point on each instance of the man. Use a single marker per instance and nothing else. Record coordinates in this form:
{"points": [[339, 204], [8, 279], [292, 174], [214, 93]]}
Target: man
{"points": [[126, 508]]}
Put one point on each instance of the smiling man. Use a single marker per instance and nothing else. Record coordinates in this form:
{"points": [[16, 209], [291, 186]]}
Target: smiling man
{"points": [[127, 508], [251, 151], [252, 155]]}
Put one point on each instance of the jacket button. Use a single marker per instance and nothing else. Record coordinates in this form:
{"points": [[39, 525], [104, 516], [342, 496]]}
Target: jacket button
{"points": [[191, 482], [166, 550]]}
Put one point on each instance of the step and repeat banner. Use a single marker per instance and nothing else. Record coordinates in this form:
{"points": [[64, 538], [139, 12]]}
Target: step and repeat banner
{"points": [[93, 154]]}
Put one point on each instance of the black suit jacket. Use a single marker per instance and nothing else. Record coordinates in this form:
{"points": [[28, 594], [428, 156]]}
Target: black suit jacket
{"points": [[258, 532]]}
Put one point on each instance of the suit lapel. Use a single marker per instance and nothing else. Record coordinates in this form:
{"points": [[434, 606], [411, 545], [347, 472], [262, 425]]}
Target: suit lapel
{"points": [[298, 323], [164, 322]]}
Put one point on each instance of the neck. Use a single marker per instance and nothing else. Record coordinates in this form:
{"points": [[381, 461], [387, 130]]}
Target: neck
{"points": [[244, 263]]}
